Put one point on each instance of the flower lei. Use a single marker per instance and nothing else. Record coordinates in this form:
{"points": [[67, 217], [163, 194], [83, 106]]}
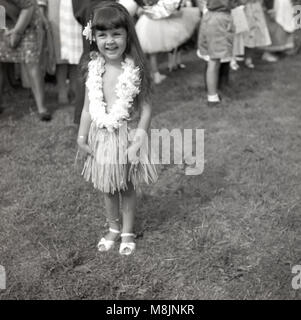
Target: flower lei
{"points": [[127, 88]]}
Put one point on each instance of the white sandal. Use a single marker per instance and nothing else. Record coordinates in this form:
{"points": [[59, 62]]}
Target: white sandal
{"points": [[104, 244], [127, 248]]}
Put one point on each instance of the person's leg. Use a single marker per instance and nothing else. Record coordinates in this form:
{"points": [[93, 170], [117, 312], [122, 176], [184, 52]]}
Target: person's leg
{"points": [[61, 78], [205, 77], [179, 63], [129, 202], [212, 77], [112, 215], [79, 98], [233, 64], [73, 75], [158, 77], [224, 74], [112, 209], [171, 61], [1, 85], [270, 56], [249, 58], [37, 86]]}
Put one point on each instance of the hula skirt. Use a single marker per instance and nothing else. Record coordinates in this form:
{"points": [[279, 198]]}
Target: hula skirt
{"points": [[108, 167]]}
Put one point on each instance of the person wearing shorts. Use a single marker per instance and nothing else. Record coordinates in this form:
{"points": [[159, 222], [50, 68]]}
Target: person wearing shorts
{"points": [[215, 43]]}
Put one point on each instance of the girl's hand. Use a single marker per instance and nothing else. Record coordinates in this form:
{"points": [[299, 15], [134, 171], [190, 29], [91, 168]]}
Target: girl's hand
{"points": [[14, 38], [132, 154], [83, 146]]}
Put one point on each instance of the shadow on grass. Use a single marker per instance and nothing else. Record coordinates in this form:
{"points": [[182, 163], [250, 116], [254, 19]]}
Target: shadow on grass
{"points": [[176, 189]]}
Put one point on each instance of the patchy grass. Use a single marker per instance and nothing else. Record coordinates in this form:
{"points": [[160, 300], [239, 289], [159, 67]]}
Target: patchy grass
{"points": [[231, 233]]}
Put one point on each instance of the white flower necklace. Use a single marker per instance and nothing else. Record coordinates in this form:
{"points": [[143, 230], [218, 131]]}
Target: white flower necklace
{"points": [[127, 88]]}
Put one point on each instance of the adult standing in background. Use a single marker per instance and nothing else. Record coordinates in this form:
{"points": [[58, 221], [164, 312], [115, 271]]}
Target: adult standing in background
{"points": [[281, 25], [22, 43], [68, 46]]}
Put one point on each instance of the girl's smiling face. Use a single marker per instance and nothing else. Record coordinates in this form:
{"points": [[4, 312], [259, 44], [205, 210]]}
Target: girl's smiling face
{"points": [[111, 43]]}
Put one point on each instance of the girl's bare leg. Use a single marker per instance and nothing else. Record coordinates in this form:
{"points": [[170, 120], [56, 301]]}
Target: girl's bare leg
{"points": [[179, 63], [61, 78], [212, 77], [1, 85], [112, 208], [158, 77], [73, 75], [129, 202], [37, 85], [249, 58]]}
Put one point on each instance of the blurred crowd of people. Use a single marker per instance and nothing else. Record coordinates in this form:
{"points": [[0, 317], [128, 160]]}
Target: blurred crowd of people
{"points": [[45, 36]]}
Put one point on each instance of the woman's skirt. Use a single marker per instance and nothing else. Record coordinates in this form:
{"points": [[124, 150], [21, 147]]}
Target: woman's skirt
{"points": [[70, 34], [282, 27], [108, 167], [164, 35], [30, 47], [54, 18], [258, 34]]}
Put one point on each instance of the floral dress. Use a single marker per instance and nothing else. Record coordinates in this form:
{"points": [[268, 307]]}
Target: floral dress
{"points": [[30, 46]]}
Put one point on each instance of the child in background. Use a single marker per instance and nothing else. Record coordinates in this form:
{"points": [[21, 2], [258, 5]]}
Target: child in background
{"points": [[162, 28], [175, 56], [117, 95], [215, 43], [258, 35], [241, 27], [68, 46]]}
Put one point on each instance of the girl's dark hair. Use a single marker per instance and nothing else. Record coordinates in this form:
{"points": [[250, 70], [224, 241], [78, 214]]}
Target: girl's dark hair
{"points": [[112, 15]]}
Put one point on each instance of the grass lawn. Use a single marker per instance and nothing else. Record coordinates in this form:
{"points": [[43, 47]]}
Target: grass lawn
{"points": [[230, 233]]}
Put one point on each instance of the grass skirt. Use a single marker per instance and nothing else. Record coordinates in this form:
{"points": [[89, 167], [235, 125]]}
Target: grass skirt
{"points": [[108, 167]]}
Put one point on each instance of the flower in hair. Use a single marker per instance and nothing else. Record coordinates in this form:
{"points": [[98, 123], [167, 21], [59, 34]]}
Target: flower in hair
{"points": [[88, 31]]}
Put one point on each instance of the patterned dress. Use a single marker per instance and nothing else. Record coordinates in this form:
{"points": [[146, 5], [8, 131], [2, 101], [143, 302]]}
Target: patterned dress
{"points": [[258, 34], [30, 46], [67, 32]]}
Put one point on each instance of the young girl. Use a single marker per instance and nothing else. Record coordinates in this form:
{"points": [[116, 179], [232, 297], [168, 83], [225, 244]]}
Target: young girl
{"points": [[215, 43], [22, 43], [258, 35], [162, 27], [118, 89]]}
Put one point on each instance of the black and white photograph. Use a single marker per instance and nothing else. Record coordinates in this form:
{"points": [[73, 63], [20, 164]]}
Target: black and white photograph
{"points": [[150, 151]]}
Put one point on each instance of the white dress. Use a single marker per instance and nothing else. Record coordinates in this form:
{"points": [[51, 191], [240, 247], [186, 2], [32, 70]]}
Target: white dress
{"points": [[167, 33], [70, 34]]}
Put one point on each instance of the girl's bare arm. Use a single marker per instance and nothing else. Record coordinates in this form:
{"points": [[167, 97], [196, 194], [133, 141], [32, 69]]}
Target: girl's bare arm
{"points": [[84, 126]]}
